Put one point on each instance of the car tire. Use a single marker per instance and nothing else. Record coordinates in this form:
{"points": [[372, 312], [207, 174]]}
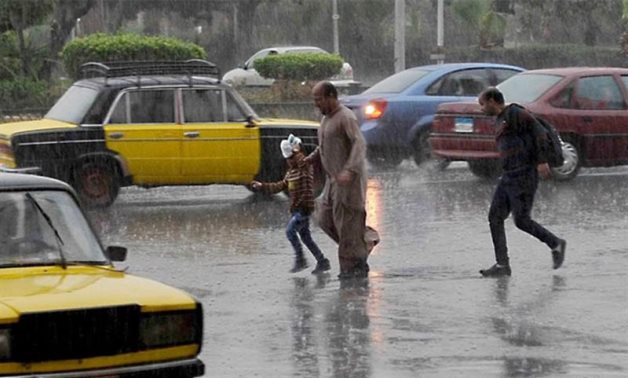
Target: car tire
{"points": [[486, 169], [421, 150], [572, 164], [97, 183]]}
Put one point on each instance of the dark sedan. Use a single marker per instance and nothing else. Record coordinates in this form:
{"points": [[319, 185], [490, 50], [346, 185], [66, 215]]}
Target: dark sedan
{"points": [[396, 114], [587, 105]]}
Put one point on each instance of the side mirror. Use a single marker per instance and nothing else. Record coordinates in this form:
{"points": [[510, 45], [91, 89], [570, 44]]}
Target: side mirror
{"points": [[116, 253], [250, 122]]}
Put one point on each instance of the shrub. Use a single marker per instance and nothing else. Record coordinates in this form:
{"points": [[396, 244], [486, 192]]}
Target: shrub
{"points": [[23, 93], [299, 66], [126, 47]]}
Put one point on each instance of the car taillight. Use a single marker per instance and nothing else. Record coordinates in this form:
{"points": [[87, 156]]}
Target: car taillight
{"points": [[375, 109]]}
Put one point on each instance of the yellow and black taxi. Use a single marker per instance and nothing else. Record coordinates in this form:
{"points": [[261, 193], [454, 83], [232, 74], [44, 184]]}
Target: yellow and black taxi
{"points": [[66, 311], [150, 124]]}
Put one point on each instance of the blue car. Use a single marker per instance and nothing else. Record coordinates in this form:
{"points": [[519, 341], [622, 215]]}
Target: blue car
{"points": [[396, 114]]}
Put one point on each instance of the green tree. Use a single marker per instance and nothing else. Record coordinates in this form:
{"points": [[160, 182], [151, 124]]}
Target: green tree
{"points": [[19, 15], [65, 14], [624, 16]]}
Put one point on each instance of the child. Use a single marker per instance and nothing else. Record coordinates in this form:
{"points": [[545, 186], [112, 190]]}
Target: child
{"points": [[298, 181]]}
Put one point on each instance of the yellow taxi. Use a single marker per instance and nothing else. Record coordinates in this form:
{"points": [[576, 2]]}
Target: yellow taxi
{"points": [[66, 311], [150, 124]]}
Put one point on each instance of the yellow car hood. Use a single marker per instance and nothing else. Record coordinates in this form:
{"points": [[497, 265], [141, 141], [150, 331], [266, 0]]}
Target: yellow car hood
{"points": [[286, 122], [53, 288], [8, 129]]}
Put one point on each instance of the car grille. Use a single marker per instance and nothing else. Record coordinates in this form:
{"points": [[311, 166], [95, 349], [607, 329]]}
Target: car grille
{"points": [[76, 334]]}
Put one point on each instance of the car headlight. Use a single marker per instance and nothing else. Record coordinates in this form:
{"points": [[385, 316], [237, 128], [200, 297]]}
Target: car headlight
{"points": [[5, 344], [171, 328]]}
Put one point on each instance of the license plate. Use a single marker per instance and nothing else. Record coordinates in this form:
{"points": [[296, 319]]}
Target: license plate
{"points": [[463, 125]]}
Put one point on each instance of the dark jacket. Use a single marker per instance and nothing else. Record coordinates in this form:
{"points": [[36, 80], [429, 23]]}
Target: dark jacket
{"points": [[299, 181], [521, 140]]}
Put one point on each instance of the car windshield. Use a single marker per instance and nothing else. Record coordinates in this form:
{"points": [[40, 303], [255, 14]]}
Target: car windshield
{"points": [[397, 82], [43, 228], [525, 88], [73, 105]]}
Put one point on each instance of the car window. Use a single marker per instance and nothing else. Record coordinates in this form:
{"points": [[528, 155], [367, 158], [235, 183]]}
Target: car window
{"points": [[203, 105], [234, 112], [625, 80], [398, 82], [461, 83], [502, 74], [564, 99], [73, 105], [598, 92], [145, 106], [261, 54], [30, 223], [525, 88]]}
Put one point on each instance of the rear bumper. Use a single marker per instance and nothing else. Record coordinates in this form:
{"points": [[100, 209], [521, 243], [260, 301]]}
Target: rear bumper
{"points": [[173, 369], [462, 147]]}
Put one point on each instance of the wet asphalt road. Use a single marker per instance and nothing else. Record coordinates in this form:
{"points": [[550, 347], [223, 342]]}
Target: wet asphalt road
{"points": [[424, 310]]}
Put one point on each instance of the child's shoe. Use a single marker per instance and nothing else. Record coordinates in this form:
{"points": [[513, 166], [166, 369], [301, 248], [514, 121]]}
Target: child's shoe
{"points": [[322, 266], [299, 265]]}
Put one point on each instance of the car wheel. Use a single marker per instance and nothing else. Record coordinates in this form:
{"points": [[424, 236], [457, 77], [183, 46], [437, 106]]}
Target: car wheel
{"points": [[438, 164], [421, 150], [485, 168], [383, 159], [572, 163], [97, 183]]}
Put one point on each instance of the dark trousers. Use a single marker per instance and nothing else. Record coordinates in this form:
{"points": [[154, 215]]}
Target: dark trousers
{"points": [[300, 224], [516, 195]]}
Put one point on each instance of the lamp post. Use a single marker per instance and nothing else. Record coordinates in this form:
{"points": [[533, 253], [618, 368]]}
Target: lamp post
{"points": [[334, 18], [400, 35], [439, 54]]}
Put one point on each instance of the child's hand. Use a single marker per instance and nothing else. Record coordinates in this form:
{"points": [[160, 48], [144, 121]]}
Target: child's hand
{"points": [[256, 185]]}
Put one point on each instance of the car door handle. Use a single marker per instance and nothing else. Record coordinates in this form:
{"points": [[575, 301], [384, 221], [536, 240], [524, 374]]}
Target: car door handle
{"points": [[587, 119], [191, 134], [116, 135]]}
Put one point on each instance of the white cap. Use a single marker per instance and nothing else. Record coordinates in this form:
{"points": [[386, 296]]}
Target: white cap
{"points": [[286, 148], [289, 145], [294, 141]]}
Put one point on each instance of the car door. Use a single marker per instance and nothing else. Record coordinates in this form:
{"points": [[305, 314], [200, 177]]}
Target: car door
{"points": [[602, 113], [219, 145], [142, 130]]}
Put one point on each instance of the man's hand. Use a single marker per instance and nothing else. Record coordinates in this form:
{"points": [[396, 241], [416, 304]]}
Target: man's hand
{"points": [[344, 177], [544, 170], [256, 185]]}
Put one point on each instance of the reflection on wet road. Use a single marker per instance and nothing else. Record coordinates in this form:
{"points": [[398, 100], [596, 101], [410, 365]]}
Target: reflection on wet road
{"points": [[424, 311]]}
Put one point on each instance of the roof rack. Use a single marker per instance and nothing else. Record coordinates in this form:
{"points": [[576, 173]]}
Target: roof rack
{"points": [[145, 67]]}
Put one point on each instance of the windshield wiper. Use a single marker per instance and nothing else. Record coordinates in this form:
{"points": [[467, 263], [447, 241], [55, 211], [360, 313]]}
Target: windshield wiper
{"points": [[58, 239]]}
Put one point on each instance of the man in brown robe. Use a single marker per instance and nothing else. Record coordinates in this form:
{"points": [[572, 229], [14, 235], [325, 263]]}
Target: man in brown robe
{"points": [[342, 152]]}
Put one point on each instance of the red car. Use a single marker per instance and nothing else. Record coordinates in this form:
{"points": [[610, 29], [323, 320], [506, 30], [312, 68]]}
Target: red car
{"points": [[587, 105]]}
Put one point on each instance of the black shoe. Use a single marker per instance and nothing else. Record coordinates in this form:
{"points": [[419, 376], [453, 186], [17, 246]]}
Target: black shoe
{"points": [[322, 266], [496, 271], [299, 265], [558, 253]]}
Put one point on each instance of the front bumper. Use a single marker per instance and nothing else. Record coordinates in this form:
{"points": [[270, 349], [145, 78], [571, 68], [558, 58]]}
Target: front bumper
{"points": [[29, 170], [174, 369]]}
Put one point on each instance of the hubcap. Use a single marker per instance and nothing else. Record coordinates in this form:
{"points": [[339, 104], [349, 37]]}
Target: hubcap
{"points": [[570, 154]]}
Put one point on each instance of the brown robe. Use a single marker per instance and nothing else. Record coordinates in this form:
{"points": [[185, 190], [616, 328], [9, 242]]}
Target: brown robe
{"points": [[341, 213]]}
